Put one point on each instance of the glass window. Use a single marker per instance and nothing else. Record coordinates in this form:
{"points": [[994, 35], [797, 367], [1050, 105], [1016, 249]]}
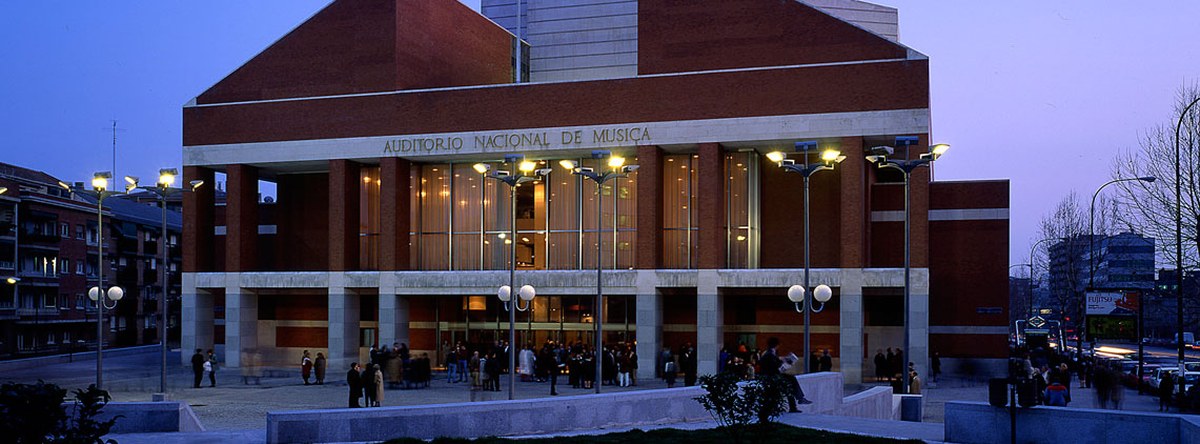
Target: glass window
{"points": [[435, 217], [741, 172], [679, 229], [368, 219]]}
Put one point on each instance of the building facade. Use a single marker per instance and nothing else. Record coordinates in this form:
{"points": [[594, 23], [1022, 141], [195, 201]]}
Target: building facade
{"points": [[49, 246], [367, 120]]}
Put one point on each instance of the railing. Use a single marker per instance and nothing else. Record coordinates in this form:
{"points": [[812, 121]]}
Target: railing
{"points": [[44, 311]]}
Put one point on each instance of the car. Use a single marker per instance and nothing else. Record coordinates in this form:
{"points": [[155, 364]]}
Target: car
{"points": [[1157, 377], [1189, 379]]}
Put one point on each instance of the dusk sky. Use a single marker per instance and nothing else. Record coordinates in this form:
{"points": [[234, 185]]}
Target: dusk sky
{"points": [[1043, 93]]}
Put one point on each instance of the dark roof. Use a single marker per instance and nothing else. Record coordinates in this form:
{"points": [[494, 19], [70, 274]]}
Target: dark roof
{"points": [[26, 174], [140, 213]]}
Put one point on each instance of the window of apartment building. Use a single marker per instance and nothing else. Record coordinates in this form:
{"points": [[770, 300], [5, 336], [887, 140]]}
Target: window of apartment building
{"points": [[22, 342], [121, 262], [79, 302], [173, 239], [65, 266], [50, 338], [64, 301], [153, 262], [174, 267], [64, 230], [49, 301], [66, 337], [79, 231], [79, 267]]}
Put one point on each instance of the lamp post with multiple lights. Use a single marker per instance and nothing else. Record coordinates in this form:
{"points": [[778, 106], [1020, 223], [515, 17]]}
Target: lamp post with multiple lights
{"points": [[879, 156], [162, 189], [100, 192], [526, 171], [828, 159], [616, 169]]}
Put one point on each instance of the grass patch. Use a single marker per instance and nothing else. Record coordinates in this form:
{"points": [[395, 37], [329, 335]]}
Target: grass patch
{"points": [[778, 434]]}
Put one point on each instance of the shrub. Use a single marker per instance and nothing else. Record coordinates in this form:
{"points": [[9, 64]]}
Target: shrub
{"points": [[35, 413]]}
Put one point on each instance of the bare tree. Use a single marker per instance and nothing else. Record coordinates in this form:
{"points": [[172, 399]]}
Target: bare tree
{"points": [[1066, 225], [1150, 208]]}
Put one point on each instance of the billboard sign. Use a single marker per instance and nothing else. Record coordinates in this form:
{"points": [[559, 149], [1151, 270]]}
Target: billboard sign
{"points": [[1112, 303]]}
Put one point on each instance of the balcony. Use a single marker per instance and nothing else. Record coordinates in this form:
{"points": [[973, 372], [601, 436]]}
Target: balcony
{"points": [[42, 312]]}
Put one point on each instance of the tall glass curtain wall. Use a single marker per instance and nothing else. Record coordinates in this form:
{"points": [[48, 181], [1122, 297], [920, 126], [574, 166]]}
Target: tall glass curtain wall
{"points": [[460, 219]]}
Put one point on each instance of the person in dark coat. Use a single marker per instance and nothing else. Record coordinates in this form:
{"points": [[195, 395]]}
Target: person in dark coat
{"points": [[197, 368], [368, 385], [319, 368], [826, 362], [688, 362], [880, 366], [1166, 387], [354, 380]]}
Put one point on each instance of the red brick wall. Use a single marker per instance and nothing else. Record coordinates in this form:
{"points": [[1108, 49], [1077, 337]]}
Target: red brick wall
{"points": [[711, 213], [302, 222], [782, 213], [343, 211], [691, 35], [783, 91], [395, 199], [649, 207], [198, 221], [241, 221], [370, 46], [315, 337]]}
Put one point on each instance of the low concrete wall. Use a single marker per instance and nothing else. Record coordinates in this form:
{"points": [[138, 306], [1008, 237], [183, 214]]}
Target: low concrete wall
{"points": [[977, 422], [89, 355], [490, 418], [824, 389], [547, 415], [876, 403], [148, 417]]}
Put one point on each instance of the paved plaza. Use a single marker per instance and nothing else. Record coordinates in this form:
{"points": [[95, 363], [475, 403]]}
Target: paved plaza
{"points": [[236, 412]]}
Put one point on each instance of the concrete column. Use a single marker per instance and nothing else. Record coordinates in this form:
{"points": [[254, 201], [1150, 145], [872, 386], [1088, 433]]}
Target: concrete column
{"points": [[710, 321], [855, 219], [711, 207], [241, 323], [395, 198], [918, 312], [241, 218], [850, 347], [649, 324], [649, 208], [343, 323], [196, 319], [919, 191], [344, 193], [393, 312], [198, 230]]}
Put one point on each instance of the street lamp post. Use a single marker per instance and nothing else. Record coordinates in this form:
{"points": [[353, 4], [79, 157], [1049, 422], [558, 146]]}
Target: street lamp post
{"points": [[1179, 246], [162, 189], [1092, 254], [1032, 252], [829, 159], [100, 192], [879, 156], [527, 171], [617, 169]]}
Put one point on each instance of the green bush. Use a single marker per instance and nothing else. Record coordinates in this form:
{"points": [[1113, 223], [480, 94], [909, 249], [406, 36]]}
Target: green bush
{"points": [[734, 403], [35, 413]]}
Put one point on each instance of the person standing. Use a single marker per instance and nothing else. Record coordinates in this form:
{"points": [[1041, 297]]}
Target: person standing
{"points": [[914, 383], [306, 365], [197, 368], [377, 377], [210, 366], [689, 365], [1165, 388], [319, 368], [368, 385], [354, 380], [826, 361], [880, 365]]}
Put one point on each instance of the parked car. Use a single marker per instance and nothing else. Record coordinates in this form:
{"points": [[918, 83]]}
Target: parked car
{"points": [[1189, 379], [1157, 377]]}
